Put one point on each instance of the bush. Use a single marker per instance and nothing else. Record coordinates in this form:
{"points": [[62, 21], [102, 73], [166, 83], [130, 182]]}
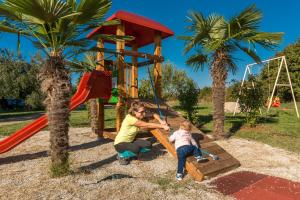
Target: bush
{"points": [[188, 97], [35, 101], [251, 99]]}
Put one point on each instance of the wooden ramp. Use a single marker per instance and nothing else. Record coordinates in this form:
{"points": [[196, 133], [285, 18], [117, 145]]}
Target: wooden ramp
{"points": [[199, 171]]}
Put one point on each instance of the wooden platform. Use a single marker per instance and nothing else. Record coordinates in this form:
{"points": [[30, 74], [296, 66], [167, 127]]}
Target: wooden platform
{"points": [[199, 171]]}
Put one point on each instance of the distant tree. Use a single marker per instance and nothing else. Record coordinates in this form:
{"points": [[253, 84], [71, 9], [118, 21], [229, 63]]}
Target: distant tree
{"points": [[205, 94], [19, 79], [269, 73], [172, 78], [145, 89]]}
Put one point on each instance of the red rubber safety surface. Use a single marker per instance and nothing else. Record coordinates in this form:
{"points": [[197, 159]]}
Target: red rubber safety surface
{"points": [[253, 186]]}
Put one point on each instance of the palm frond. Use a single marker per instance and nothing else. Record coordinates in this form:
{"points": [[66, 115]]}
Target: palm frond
{"points": [[6, 11], [99, 24], [40, 11], [92, 11], [197, 61], [267, 40], [78, 66], [249, 18], [249, 52]]}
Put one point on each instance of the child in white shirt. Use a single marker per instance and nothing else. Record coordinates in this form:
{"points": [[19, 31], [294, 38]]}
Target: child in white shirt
{"points": [[185, 146]]}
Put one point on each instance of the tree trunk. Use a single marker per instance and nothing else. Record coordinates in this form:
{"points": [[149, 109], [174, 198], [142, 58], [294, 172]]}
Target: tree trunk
{"points": [[97, 124], [57, 85], [219, 75]]}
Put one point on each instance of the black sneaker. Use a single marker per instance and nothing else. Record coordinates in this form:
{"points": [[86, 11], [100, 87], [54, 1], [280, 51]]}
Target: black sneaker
{"points": [[124, 161]]}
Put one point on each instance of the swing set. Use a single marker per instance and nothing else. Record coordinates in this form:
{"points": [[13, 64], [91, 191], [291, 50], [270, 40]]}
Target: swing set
{"points": [[272, 100]]}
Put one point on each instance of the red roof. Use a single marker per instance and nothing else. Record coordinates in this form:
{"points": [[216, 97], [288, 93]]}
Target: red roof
{"points": [[142, 28]]}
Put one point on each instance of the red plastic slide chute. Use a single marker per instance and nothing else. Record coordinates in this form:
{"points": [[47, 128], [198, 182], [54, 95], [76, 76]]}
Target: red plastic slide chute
{"points": [[96, 84]]}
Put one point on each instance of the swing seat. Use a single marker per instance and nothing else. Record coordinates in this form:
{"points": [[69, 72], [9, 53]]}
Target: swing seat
{"points": [[276, 104]]}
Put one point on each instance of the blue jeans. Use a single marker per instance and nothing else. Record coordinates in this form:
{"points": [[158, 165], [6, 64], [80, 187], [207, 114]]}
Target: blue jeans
{"points": [[183, 152]]}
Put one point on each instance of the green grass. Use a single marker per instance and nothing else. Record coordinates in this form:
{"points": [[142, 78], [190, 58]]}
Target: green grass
{"points": [[78, 118], [280, 129]]}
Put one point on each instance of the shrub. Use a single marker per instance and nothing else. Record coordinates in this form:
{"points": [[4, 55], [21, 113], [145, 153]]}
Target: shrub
{"points": [[188, 97], [251, 99]]}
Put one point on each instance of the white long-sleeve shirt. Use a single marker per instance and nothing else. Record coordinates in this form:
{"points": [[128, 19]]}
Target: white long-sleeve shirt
{"points": [[182, 137]]}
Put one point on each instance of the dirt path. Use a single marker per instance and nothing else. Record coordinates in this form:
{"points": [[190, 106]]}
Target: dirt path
{"points": [[24, 171]]}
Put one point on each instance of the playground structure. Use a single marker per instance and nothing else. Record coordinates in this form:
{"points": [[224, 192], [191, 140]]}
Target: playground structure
{"points": [[145, 32], [272, 101]]}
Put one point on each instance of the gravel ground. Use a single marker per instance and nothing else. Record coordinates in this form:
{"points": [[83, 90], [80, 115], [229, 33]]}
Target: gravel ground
{"points": [[24, 171]]}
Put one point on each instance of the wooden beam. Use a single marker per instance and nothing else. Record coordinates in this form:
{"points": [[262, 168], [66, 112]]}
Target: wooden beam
{"points": [[120, 45], [135, 53], [134, 74], [157, 65], [100, 106], [100, 57], [131, 53]]}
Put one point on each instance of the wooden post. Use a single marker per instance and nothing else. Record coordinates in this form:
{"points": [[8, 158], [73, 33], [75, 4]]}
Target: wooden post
{"points": [[134, 74], [100, 104], [157, 65], [100, 56], [121, 75]]}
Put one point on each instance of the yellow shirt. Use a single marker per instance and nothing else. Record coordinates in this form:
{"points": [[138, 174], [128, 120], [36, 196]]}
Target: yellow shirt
{"points": [[128, 131]]}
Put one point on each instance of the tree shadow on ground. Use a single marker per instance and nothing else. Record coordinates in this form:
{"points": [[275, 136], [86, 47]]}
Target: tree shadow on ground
{"points": [[41, 154], [98, 164], [239, 121], [178, 107], [201, 120]]}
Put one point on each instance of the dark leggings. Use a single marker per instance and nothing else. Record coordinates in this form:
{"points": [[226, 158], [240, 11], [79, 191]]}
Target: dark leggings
{"points": [[134, 146]]}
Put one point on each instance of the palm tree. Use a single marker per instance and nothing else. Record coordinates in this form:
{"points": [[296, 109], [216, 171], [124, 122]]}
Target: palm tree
{"points": [[58, 27], [214, 41]]}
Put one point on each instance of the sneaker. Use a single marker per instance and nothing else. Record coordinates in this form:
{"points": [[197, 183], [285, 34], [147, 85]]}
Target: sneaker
{"points": [[179, 176], [200, 158], [124, 161]]}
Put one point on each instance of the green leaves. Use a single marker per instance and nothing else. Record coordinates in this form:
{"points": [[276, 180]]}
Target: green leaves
{"points": [[38, 11], [214, 33], [56, 25], [92, 11]]}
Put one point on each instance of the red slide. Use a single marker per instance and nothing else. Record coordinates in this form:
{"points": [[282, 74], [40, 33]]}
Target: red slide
{"points": [[96, 84]]}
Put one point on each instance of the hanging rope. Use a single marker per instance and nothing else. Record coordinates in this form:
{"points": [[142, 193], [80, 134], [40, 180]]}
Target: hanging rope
{"points": [[154, 93], [269, 78]]}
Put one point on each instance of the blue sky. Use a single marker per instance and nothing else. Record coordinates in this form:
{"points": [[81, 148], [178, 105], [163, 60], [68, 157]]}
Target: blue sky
{"points": [[279, 16]]}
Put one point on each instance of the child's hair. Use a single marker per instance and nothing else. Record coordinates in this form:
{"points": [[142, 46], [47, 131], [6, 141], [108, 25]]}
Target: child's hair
{"points": [[186, 125], [134, 107]]}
